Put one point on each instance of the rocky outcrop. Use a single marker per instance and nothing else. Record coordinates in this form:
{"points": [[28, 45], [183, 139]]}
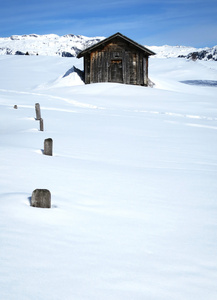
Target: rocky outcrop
{"points": [[206, 54]]}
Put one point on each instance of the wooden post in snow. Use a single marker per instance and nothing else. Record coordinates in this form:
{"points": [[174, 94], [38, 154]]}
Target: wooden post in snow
{"points": [[48, 147], [41, 198], [41, 125], [38, 111]]}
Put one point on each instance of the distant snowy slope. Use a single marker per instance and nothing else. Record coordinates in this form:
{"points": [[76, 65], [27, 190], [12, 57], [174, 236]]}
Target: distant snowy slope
{"points": [[171, 51], [167, 51], [49, 45]]}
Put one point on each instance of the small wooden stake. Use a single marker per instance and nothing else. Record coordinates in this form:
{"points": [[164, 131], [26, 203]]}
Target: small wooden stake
{"points": [[38, 111], [15, 107], [48, 147], [41, 125]]}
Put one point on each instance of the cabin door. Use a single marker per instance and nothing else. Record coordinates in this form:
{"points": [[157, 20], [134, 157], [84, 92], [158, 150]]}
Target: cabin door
{"points": [[116, 71]]}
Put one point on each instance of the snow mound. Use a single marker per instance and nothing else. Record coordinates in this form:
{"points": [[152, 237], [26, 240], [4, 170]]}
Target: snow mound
{"points": [[72, 77]]}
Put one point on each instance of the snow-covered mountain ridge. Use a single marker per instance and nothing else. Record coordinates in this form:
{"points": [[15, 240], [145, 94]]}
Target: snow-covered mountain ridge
{"points": [[48, 45], [167, 51], [70, 45]]}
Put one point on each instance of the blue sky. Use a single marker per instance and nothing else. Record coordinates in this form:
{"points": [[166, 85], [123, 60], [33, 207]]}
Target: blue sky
{"points": [[149, 22]]}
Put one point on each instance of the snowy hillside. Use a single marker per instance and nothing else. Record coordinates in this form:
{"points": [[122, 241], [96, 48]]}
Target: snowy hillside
{"points": [[132, 180], [70, 45]]}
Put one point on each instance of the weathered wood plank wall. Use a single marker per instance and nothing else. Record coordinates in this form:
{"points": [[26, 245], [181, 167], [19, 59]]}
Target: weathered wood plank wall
{"points": [[117, 61]]}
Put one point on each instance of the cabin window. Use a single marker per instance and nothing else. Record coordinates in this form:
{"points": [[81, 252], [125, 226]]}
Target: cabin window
{"points": [[116, 55]]}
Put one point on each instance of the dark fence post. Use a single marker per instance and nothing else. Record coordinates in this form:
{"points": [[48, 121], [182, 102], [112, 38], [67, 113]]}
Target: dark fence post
{"points": [[41, 198], [38, 111], [41, 124], [48, 147], [15, 107]]}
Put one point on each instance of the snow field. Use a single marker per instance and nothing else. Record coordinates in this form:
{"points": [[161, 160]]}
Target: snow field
{"points": [[132, 179]]}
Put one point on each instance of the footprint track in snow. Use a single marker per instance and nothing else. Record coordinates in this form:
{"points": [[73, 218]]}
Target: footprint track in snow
{"points": [[73, 102]]}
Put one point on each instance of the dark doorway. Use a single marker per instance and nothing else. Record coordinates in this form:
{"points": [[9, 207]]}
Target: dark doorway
{"points": [[116, 71]]}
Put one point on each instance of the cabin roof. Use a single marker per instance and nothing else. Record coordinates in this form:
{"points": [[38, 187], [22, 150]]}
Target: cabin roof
{"points": [[118, 34]]}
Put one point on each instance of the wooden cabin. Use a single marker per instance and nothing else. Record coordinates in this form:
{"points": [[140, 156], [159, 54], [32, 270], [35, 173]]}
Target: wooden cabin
{"points": [[116, 59]]}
